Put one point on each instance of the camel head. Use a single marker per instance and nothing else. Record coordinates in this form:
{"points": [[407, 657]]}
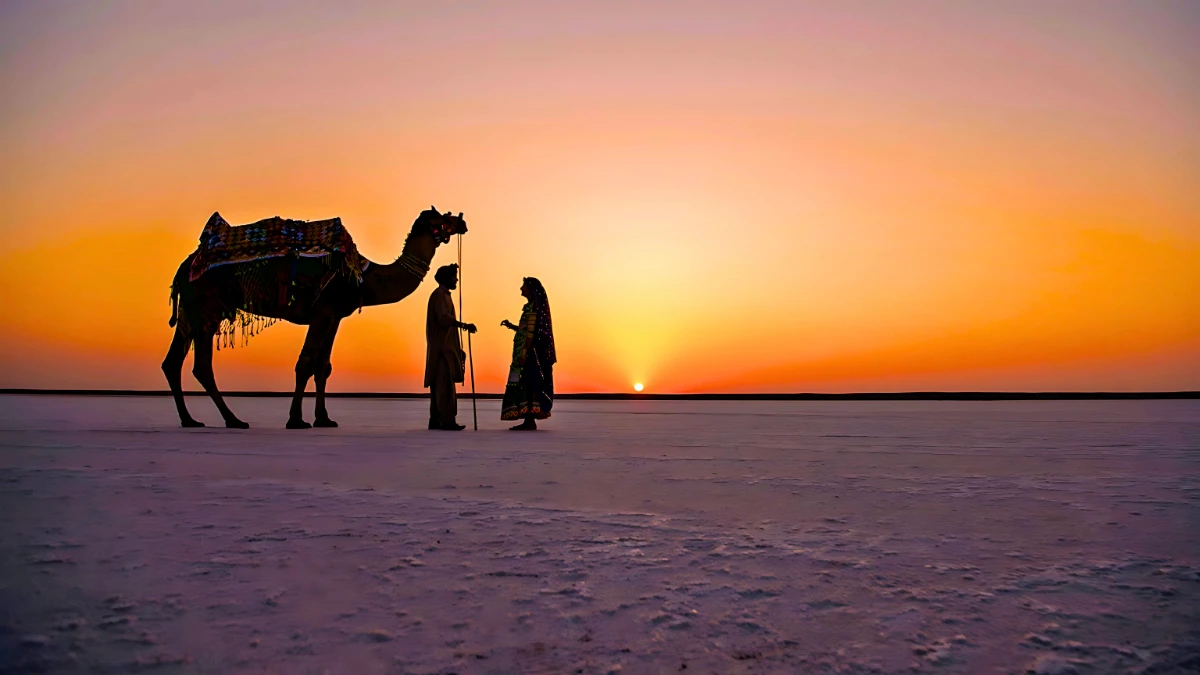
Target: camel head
{"points": [[442, 226]]}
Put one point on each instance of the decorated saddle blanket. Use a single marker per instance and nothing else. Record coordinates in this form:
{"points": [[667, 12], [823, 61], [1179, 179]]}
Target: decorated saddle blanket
{"points": [[224, 244]]}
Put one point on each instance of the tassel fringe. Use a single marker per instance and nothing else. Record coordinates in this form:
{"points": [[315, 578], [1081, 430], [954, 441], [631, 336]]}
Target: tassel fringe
{"points": [[241, 328]]}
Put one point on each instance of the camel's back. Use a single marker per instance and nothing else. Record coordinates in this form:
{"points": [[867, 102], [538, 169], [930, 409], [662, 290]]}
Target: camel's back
{"points": [[222, 244], [276, 268]]}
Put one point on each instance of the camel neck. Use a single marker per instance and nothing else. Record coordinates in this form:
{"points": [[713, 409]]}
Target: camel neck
{"points": [[385, 284]]}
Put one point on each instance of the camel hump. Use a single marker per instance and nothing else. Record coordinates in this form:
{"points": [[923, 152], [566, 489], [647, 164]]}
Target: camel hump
{"points": [[224, 244], [214, 225]]}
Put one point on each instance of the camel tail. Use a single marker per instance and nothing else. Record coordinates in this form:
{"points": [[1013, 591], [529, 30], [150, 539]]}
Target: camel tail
{"points": [[177, 284]]}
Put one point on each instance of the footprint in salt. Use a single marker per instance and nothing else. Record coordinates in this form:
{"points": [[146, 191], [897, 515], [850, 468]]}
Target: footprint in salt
{"points": [[1054, 664], [120, 605], [757, 593], [145, 639], [52, 559], [374, 635], [660, 618], [70, 624], [936, 653], [825, 604], [116, 623], [34, 641], [158, 660]]}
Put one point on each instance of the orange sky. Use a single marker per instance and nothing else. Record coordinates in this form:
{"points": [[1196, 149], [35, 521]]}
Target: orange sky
{"points": [[717, 196]]}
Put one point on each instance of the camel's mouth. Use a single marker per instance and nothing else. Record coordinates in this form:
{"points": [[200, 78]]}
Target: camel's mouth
{"points": [[448, 226], [457, 224]]}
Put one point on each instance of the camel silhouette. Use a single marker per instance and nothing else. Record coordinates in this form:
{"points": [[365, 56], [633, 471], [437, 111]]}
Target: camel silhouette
{"points": [[303, 290]]}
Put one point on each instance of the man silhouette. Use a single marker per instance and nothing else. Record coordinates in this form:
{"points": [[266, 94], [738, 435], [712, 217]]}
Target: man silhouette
{"points": [[443, 352]]}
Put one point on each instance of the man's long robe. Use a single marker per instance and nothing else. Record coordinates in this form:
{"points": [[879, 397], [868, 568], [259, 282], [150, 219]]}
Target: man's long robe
{"points": [[443, 357]]}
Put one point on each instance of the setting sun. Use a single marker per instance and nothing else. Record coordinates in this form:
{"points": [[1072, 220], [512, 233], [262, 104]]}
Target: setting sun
{"points": [[638, 387]]}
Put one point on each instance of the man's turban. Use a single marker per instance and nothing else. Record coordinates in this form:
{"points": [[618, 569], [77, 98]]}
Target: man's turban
{"points": [[446, 274]]}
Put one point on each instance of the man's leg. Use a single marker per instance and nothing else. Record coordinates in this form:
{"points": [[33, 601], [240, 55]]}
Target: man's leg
{"points": [[447, 398], [435, 415]]}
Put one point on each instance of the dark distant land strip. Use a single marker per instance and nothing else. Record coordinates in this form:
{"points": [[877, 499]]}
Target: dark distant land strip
{"points": [[865, 396]]}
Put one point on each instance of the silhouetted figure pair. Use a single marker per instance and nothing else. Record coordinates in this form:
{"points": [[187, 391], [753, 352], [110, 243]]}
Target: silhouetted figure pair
{"points": [[529, 392]]}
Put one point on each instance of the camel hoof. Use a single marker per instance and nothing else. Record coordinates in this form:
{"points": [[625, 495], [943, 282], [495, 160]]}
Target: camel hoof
{"points": [[324, 423], [236, 424], [298, 424], [191, 424]]}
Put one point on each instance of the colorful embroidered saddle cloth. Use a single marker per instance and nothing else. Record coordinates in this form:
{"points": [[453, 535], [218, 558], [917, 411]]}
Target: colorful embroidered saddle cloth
{"points": [[224, 244]]}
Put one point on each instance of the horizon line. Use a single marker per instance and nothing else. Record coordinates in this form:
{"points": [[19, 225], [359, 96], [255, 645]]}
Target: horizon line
{"points": [[708, 396]]}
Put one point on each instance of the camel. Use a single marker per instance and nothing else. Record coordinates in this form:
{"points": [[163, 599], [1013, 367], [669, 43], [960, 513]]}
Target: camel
{"points": [[320, 307]]}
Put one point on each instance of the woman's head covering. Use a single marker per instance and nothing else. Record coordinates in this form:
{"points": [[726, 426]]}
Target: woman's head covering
{"points": [[543, 336]]}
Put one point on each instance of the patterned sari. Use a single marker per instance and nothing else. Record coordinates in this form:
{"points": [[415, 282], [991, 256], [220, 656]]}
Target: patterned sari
{"points": [[530, 388]]}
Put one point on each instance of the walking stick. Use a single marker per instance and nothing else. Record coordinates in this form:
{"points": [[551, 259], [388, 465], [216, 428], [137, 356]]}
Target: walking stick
{"points": [[470, 356]]}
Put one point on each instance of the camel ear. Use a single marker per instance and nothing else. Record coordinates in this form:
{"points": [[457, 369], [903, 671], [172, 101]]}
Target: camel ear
{"points": [[433, 208]]}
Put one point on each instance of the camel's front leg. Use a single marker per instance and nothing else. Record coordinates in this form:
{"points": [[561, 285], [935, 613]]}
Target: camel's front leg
{"points": [[324, 368], [306, 367]]}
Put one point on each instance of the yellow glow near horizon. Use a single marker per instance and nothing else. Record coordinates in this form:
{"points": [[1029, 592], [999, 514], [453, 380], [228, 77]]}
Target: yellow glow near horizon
{"points": [[716, 197]]}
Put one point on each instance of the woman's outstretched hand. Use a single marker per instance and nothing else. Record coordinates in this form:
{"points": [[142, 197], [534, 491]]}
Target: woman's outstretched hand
{"points": [[508, 324]]}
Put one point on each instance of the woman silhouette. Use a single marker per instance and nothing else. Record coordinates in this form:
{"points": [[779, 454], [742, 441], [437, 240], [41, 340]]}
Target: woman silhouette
{"points": [[529, 394]]}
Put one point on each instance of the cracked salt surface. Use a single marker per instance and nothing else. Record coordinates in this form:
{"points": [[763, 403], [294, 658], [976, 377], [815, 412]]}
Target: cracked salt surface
{"points": [[712, 537]]}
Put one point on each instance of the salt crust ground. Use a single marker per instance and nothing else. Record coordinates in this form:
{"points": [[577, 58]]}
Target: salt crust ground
{"points": [[630, 537]]}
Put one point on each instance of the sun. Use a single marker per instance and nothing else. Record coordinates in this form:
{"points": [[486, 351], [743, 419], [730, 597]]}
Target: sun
{"points": [[638, 387]]}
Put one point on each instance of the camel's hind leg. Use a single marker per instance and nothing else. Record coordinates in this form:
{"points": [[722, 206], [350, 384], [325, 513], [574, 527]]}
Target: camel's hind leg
{"points": [[172, 367], [202, 369]]}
